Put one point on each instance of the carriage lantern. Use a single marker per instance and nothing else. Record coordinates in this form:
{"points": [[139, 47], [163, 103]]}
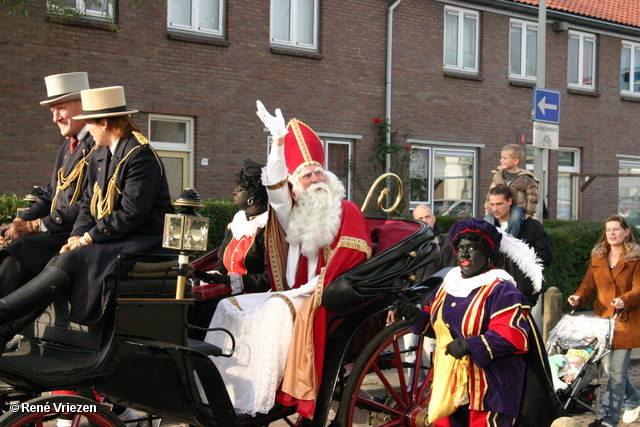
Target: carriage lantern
{"points": [[187, 232], [32, 197]]}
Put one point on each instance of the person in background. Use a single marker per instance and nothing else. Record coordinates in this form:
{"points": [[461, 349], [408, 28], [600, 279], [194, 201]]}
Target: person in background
{"points": [[529, 231], [446, 257], [614, 275], [521, 182]]}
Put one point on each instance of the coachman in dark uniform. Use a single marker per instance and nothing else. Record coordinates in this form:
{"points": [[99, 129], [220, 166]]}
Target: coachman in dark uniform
{"points": [[122, 211], [45, 227]]}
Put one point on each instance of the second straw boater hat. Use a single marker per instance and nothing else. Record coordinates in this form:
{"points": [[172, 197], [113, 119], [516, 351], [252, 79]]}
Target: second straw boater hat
{"points": [[65, 87], [103, 102]]}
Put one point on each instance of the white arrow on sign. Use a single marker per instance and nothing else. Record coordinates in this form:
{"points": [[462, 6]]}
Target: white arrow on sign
{"points": [[542, 105]]}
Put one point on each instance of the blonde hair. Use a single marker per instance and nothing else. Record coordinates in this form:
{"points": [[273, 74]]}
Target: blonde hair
{"points": [[623, 223], [516, 151]]}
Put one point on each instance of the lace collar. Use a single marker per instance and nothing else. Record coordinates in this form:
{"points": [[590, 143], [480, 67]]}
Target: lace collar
{"points": [[458, 286], [240, 226]]}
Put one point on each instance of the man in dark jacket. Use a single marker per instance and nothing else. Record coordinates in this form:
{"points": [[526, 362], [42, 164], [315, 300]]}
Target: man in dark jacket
{"points": [[531, 232], [44, 228]]}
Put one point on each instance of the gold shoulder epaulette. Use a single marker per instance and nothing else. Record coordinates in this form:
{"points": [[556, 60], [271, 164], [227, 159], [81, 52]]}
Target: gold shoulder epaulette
{"points": [[141, 138]]}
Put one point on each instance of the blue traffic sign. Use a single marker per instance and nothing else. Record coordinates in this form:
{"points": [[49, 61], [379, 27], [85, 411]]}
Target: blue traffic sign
{"points": [[546, 105]]}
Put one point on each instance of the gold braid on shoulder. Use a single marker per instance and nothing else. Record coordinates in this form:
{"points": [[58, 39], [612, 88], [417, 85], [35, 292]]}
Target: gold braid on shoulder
{"points": [[76, 175], [103, 206]]}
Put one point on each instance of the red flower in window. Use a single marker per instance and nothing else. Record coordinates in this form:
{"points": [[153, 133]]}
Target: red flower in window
{"points": [[407, 147], [377, 121]]}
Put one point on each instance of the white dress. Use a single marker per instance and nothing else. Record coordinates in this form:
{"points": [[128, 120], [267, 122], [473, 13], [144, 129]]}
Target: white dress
{"points": [[262, 325]]}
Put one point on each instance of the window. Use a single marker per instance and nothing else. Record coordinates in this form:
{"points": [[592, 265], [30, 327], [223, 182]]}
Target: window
{"points": [[630, 68], [338, 155], [294, 23], [567, 203], [629, 190], [582, 60], [443, 179], [200, 16], [461, 39], [91, 8], [172, 138], [523, 42], [338, 161]]}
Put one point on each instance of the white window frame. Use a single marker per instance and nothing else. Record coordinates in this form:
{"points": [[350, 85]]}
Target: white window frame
{"points": [[293, 42], [629, 162], [565, 171], [461, 14], [582, 38], [58, 6], [195, 19], [172, 149], [525, 27], [337, 139], [326, 143], [634, 54], [446, 152]]}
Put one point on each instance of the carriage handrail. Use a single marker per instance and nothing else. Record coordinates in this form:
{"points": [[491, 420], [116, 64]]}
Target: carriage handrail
{"points": [[233, 339]]}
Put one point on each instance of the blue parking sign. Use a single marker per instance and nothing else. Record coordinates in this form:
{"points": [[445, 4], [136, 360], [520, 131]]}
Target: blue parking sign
{"points": [[546, 105]]}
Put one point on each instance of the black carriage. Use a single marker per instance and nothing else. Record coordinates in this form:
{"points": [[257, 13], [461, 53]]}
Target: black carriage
{"points": [[139, 354]]}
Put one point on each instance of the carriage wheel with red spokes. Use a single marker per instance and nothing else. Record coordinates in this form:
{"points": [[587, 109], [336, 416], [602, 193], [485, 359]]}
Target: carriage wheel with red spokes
{"points": [[378, 382], [35, 412]]}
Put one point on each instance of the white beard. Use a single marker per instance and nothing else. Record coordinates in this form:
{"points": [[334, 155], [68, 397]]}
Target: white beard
{"points": [[315, 219]]}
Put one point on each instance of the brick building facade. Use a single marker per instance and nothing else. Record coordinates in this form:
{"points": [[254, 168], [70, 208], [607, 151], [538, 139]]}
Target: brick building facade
{"points": [[196, 92]]}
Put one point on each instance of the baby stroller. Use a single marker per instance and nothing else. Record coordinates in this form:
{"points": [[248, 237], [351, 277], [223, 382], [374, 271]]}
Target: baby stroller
{"points": [[582, 332]]}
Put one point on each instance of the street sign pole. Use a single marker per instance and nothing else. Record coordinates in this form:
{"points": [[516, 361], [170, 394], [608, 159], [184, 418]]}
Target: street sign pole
{"points": [[538, 153]]}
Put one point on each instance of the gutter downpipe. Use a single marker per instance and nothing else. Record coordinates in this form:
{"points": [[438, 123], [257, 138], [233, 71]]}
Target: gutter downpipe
{"points": [[388, 83]]}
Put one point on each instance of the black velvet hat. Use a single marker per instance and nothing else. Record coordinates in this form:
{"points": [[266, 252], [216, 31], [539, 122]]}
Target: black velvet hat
{"points": [[253, 169], [480, 226]]}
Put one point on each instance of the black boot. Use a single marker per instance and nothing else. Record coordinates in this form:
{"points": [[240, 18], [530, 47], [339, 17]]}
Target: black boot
{"points": [[12, 327], [12, 275], [39, 291]]}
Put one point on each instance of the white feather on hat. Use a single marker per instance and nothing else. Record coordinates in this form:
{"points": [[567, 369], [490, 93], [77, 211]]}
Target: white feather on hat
{"points": [[524, 256]]}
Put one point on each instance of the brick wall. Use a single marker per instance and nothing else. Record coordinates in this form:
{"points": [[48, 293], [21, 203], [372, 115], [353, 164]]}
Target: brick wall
{"points": [[339, 93]]}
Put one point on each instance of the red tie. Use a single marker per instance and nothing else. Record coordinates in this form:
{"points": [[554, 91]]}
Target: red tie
{"points": [[73, 145]]}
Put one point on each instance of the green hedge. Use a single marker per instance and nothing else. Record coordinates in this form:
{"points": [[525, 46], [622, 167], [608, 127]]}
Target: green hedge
{"points": [[8, 206], [221, 212]]}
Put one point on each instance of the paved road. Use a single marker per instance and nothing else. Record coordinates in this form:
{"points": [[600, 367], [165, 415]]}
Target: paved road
{"points": [[585, 419]]}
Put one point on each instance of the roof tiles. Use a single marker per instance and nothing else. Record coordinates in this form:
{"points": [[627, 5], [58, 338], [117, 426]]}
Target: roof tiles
{"points": [[626, 12]]}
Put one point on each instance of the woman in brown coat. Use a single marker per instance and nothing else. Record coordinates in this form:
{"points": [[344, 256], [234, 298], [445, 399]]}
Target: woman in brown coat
{"points": [[614, 272]]}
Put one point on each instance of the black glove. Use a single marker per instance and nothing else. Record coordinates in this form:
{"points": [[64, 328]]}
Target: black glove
{"points": [[212, 277], [458, 348], [405, 308]]}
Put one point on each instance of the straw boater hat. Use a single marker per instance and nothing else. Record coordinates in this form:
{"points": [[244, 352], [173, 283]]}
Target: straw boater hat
{"points": [[103, 102], [302, 148], [65, 87]]}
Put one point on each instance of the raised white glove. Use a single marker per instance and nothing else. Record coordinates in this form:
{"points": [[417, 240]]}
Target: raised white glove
{"points": [[275, 124]]}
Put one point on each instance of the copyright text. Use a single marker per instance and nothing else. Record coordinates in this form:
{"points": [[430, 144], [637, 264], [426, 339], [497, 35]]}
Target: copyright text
{"points": [[51, 408]]}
